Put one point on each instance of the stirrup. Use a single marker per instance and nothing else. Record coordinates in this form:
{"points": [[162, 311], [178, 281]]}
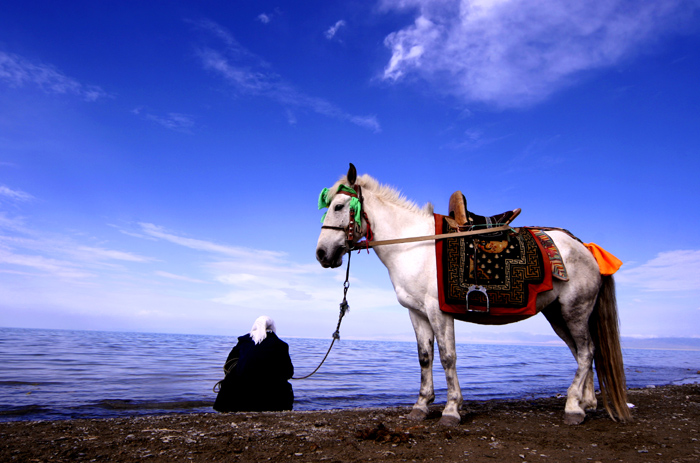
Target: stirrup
{"points": [[478, 289]]}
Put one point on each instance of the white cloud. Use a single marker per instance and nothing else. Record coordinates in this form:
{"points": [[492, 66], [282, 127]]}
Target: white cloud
{"points": [[668, 271], [172, 276], [54, 280], [242, 78], [511, 53], [299, 289], [17, 71], [250, 75], [254, 278], [58, 268], [15, 195], [202, 245], [55, 254], [256, 283], [368, 122], [471, 139], [221, 34], [266, 18], [237, 278], [330, 33], [110, 254], [11, 224], [174, 121], [19, 238]]}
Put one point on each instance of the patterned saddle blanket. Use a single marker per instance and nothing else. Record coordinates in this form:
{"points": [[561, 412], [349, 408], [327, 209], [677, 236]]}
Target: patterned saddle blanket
{"points": [[510, 267]]}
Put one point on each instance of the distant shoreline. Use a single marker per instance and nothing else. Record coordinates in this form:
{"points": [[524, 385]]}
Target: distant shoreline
{"points": [[516, 339]]}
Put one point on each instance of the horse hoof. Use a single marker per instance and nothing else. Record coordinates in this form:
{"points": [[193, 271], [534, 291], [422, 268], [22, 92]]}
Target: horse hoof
{"points": [[417, 415], [574, 418], [449, 420]]}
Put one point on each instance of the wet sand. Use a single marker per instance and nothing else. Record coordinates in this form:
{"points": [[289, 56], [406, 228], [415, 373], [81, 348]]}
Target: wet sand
{"points": [[665, 429]]}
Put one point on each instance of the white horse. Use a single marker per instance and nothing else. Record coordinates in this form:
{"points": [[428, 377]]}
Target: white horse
{"points": [[582, 311]]}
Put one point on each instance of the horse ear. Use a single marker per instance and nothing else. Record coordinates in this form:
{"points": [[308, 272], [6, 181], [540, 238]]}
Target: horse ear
{"points": [[352, 174]]}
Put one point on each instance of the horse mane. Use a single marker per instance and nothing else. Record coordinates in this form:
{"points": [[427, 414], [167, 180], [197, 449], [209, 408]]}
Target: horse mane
{"points": [[384, 193]]}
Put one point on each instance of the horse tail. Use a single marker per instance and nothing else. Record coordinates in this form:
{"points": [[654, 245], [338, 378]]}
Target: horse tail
{"points": [[604, 326]]}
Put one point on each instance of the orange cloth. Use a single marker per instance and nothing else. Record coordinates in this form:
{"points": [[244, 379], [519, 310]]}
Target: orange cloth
{"points": [[608, 263]]}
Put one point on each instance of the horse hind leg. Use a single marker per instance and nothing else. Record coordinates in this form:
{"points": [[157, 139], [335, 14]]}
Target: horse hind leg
{"points": [[576, 402], [425, 340], [589, 402], [580, 396]]}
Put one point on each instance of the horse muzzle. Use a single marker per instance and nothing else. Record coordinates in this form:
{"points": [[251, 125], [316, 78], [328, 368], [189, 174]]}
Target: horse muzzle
{"points": [[333, 259]]}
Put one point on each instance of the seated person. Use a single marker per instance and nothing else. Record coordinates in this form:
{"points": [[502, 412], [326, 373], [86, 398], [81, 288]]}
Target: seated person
{"points": [[257, 370]]}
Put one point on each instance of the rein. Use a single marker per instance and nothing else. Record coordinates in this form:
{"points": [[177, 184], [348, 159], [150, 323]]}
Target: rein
{"points": [[344, 308], [371, 244]]}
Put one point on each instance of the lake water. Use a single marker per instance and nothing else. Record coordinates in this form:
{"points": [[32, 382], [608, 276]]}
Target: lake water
{"points": [[58, 374]]}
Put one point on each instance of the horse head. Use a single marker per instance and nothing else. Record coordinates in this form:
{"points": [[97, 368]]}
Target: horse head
{"points": [[342, 224]]}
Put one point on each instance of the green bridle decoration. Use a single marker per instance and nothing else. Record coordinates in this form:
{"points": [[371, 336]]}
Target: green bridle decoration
{"points": [[354, 202]]}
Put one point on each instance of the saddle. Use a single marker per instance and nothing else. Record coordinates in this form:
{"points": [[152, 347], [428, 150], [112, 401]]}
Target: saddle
{"points": [[461, 218], [490, 279]]}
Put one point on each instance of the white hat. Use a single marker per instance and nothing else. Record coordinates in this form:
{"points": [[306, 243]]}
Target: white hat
{"points": [[260, 328]]}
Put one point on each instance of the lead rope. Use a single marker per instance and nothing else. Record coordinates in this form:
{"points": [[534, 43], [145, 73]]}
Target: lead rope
{"points": [[344, 307]]}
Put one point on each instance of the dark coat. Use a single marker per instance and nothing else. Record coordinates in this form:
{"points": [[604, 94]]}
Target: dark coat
{"points": [[258, 381]]}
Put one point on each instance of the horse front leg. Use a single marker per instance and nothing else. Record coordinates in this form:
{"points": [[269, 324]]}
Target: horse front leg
{"points": [[425, 339], [444, 326]]}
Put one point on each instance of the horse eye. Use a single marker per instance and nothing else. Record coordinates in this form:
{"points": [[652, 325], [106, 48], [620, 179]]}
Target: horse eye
{"points": [[339, 207]]}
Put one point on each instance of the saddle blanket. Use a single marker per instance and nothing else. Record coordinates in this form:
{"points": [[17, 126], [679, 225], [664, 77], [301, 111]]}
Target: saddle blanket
{"points": [[607, 263], [558, 268], [513, 267]]}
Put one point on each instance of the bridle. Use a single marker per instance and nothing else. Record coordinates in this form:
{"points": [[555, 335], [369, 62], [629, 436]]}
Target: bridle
{"points": [[353, 230]]}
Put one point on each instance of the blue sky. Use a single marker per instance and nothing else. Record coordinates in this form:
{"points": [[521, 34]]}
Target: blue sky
{"points": [[160, 161]]}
